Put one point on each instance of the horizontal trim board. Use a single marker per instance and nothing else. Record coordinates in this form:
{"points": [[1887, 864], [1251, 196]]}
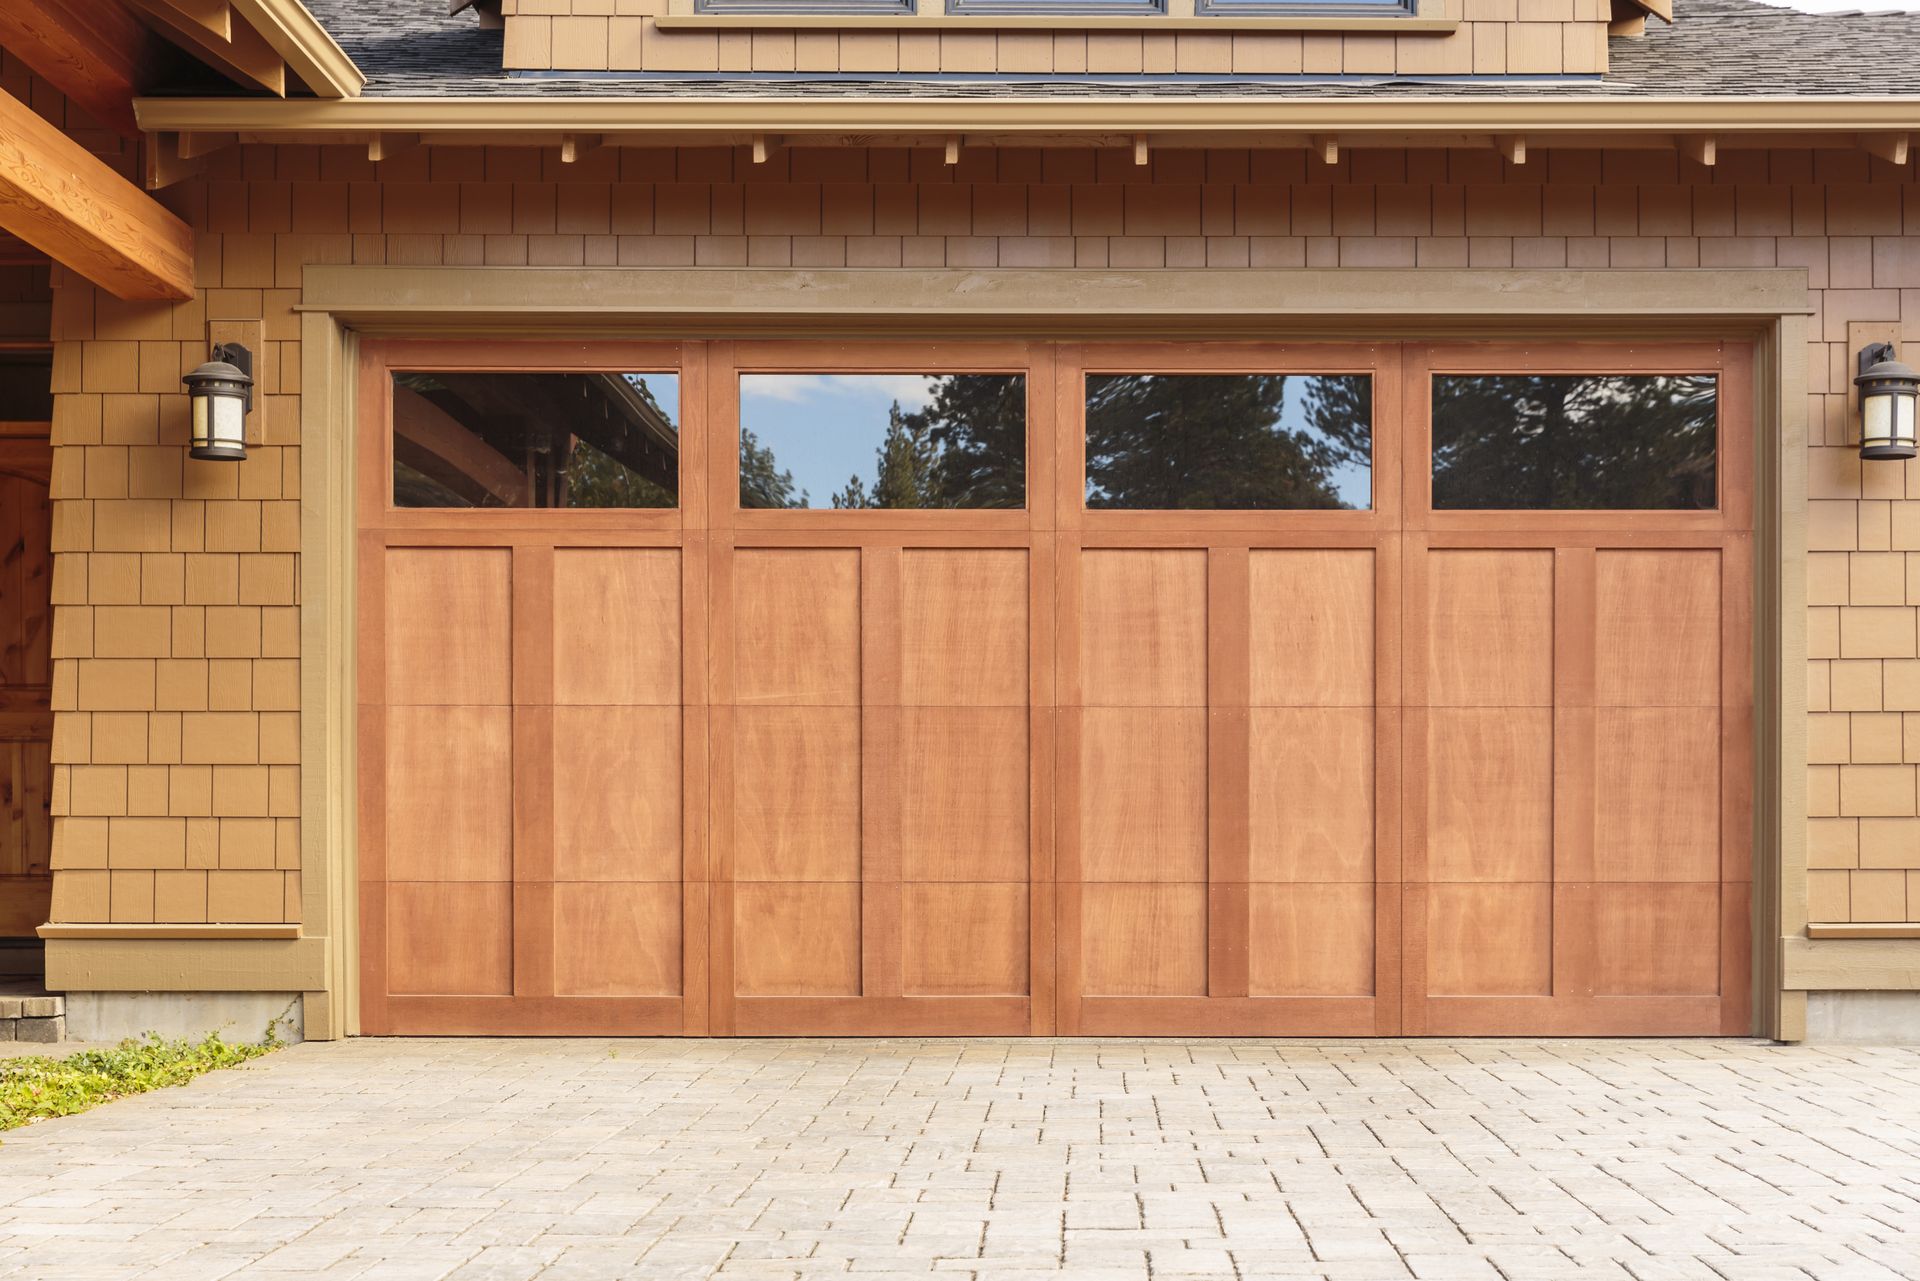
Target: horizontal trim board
{"points": [[186, 965], [1864, 930], [1038, 298], [159, 931], [1830, 965], [1012, 113], [1385, 21]]}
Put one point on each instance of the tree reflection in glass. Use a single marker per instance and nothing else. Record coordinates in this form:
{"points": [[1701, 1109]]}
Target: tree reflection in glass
{"points": [[1264, 442], [936, 441], [1638, 442]]}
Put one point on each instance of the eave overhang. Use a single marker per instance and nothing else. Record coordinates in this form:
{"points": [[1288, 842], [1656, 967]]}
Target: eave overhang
{"points": [[1159, 115]]}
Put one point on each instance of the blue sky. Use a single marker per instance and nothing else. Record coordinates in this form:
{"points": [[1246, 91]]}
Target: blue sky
{"points": [[825, 427]]}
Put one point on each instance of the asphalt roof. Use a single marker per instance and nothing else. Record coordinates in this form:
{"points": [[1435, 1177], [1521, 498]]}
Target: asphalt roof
{"points": [[412, 48]]}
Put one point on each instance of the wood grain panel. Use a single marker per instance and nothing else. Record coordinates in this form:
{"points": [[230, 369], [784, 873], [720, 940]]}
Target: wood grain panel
{"points": [[449, 794], [1658, 628], [1489, 800], [617, 793], [1143, 794], [616, 625], [1489, 939], [965, 794], [1144, 940], [1311, 794], [796, 626], [964, 626], [450, 938], [796, 938], [1490, 628], [1311, 940], [613, 939], [1657, 794], [449, 625], [1143, 628], [796, 794], [1656, 940], [964, 939], [1312, 637]]}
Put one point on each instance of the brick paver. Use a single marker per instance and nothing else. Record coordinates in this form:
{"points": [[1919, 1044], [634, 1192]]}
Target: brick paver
{"points": [[1004, 1159]]}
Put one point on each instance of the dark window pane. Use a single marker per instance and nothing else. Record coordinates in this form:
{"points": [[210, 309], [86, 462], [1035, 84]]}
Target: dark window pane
{"points": [[1574, 441], [536, 440], [26, 386], [883, 440], [1260, 442]]}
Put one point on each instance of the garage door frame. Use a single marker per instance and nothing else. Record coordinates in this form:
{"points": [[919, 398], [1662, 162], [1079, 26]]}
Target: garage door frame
{"points": [[342, 303]]}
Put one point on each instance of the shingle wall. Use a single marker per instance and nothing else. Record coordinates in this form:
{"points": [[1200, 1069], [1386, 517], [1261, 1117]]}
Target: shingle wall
{"points": [[177, 645], [1495, 37]]}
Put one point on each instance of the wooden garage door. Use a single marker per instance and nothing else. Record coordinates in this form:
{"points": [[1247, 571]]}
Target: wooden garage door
{"points": [[1004, 688]]}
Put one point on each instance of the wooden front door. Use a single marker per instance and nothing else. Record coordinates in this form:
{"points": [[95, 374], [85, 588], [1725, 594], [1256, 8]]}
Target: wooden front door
{"points": [[26, 716], [1144, 688]]}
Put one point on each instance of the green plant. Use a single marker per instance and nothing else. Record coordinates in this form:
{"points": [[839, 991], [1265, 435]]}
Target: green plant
{"points": [[32, 1089]]}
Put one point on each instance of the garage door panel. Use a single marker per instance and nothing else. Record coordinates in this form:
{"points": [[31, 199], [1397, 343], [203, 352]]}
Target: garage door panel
{"points": [[449, 629], [1143, 794], [1311, 939], [965, 796], [1657, 940], [449, 793], [1489, 640], [794, 938], [425, 957], [1311, 794], [1657, 794], [1657, 625], [1313, 627], [1143, 940], [616, 625], [617, 939], [796, 794], [965, 939], [964, 626], [1143, 627], [1489, 939], [796, 626], [617, 793], [1490, 794]]}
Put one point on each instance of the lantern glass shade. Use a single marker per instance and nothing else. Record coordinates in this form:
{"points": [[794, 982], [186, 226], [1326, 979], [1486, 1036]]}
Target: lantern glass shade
{"points": [[1889, 405], [218, 393]]}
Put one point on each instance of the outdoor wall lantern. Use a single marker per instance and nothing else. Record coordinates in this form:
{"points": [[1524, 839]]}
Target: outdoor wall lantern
{"points": [[1888, 391], [221, 393]]}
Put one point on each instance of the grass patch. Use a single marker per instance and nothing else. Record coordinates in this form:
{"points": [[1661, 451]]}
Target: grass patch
{"points": [[32, 1089]]}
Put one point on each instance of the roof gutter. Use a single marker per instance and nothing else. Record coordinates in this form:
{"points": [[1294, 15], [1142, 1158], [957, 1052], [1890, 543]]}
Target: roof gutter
{"points": [[1013, 114]]}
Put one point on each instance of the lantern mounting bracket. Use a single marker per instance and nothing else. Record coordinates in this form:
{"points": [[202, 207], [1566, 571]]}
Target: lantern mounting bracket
{"points": [[237, 355]]}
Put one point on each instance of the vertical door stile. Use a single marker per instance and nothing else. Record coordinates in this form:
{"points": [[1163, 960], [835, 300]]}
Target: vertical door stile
{"points": [[881, 941], [1048, 432], [1574, 612], [721, 449], [1412, 616], [533, 766], [696, 453], [1228, 906]]}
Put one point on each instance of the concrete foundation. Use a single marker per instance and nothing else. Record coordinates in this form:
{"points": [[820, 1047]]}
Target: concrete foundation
{"points": [[1863, 1018], [234, 1016]]}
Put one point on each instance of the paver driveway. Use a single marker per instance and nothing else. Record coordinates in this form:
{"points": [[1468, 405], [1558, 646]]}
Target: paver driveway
{"points": [[1124, 1159]]}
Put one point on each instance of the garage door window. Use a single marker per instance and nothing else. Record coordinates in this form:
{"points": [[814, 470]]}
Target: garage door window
{"points": [[1261, 442], [1638, 442], [897, 440], [535, 439]]}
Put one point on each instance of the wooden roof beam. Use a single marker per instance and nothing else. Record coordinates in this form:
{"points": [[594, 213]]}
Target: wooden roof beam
{"points": [[206, 29], [304, 45], [93, 51], [60, 198]]}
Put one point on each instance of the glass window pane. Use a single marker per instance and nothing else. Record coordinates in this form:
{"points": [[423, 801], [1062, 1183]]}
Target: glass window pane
{"points": [[883, 440], [1251, 442], [576, 440], [1535, 442]]}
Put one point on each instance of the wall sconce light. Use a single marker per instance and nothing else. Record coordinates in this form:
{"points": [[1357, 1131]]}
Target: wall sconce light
{"points": [[1888, 392], [221, 393]]}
